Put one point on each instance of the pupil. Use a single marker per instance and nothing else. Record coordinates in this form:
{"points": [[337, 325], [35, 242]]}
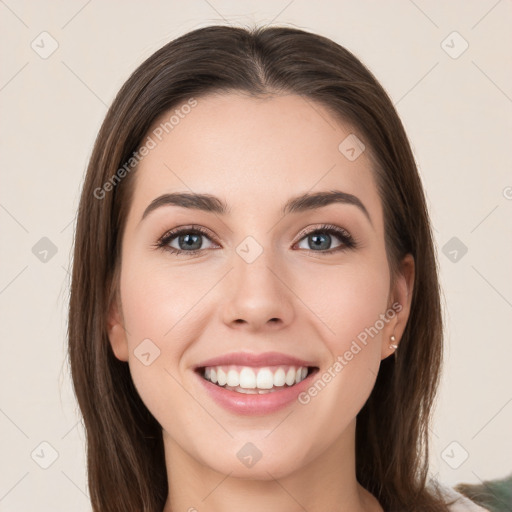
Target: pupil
{"points": [[319, 245], [188, 240]]}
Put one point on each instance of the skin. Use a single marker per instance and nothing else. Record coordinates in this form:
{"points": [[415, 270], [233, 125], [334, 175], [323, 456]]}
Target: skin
{"points": [[255, 154]]}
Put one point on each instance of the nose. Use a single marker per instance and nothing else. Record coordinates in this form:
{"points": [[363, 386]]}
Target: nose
{"points": [[257, 296]]}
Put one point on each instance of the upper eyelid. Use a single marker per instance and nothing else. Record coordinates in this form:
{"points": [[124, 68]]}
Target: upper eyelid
{"points": [[173, 233], [323, 227]]}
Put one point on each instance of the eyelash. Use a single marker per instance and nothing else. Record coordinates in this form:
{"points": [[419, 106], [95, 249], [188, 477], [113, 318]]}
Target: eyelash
{"points": [[348, 242]]}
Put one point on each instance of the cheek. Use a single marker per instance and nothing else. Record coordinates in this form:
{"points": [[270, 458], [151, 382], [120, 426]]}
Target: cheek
{"points": [[159, 300], [160, 320], [346, 299], [351, 303]]}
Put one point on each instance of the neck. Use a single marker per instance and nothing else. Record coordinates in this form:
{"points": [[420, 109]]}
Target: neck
{"points": [[327, 482]]}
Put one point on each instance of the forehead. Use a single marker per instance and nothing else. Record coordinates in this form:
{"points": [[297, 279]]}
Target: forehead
{"points": [[253, 152]]}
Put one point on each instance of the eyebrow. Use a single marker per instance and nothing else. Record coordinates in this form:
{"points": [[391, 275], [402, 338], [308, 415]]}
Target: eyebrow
{"points": [[212, 204]]}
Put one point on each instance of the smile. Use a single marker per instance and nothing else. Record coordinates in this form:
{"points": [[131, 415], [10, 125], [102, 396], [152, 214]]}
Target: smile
{"points": [[250, 380], [254, 384]]}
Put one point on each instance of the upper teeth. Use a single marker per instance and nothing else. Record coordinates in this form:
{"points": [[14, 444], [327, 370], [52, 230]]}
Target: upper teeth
{"points": [[255, 378]]}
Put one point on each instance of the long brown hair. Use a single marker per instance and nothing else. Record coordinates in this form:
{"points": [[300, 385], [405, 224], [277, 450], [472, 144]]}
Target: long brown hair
{"points": [[125, 456]]}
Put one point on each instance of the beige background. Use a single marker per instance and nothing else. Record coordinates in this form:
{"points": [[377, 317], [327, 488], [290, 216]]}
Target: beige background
{"points": [[458, 114]]}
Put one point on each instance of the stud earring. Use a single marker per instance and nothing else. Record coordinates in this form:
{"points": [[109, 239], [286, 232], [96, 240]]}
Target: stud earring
{"points": [[393, 345]]}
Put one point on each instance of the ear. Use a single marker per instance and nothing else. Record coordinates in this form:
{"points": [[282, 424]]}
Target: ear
{"points": [[400, 303], [117, 332]]}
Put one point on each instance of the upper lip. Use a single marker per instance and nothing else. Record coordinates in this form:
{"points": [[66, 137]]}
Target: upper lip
{"points": [[258, 360]]}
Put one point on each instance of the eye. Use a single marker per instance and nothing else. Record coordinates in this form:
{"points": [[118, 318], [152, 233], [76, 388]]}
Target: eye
{"points": [[189, 240], [184, 240], [320, 239]]}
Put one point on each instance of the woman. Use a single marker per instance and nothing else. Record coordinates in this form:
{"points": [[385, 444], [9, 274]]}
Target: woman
{"points": [[255, 317]]}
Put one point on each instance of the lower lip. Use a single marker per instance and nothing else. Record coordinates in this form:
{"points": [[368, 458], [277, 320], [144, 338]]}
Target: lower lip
{"points": [[241, 403]]}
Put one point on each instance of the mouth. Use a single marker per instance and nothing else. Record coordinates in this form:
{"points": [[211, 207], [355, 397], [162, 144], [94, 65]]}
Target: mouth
{"points": [[255, 380], [254, 390], [249, 384]]}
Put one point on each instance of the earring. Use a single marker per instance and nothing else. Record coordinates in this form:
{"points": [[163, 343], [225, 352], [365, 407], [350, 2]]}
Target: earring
{"points": [[393, 346]]}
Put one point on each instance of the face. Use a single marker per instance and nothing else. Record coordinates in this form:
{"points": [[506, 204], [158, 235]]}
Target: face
{"points": [[297, 303]]}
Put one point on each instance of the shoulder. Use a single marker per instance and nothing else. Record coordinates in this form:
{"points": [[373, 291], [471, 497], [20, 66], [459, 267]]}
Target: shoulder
{"points": [[458, 502]]}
